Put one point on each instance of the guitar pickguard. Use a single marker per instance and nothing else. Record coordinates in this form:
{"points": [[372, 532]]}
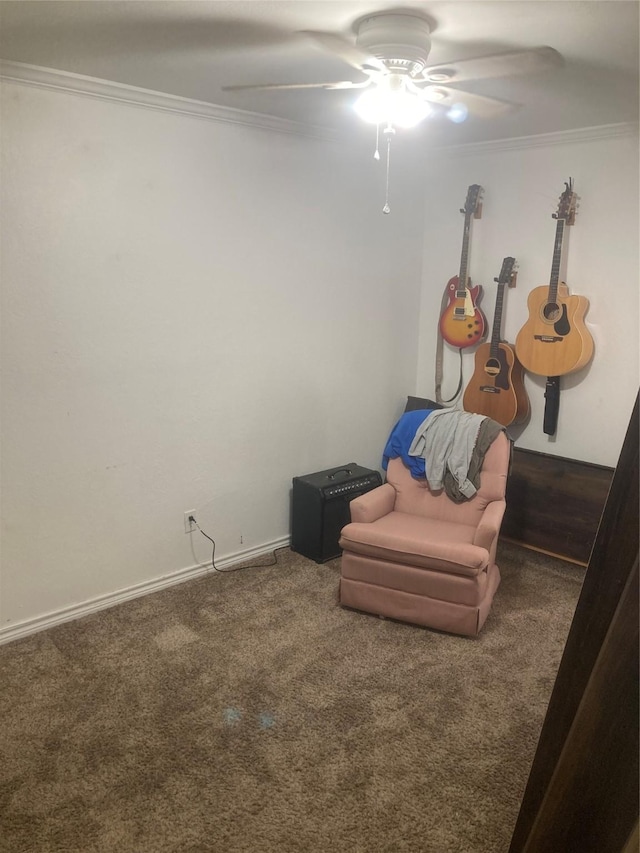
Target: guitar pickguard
{"points": [[562, 326]]}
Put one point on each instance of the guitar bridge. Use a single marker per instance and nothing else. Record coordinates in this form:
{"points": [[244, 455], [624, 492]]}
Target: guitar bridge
{"points": [[547, 339], [490, 389]]}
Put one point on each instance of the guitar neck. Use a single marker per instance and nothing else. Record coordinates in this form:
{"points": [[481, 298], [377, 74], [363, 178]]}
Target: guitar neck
{"points": [[497, 322], [464, 257], [557, 259]]}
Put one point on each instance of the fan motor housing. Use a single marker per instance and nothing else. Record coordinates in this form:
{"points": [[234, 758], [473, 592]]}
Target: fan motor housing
{"points": [[401, 41]]}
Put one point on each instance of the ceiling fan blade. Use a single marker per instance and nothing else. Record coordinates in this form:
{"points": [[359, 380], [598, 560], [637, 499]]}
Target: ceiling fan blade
{"points": [[496, 65], [479, 105], [341, 84], [351, 54]]}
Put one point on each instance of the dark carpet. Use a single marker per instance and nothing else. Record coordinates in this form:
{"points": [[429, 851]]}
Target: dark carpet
{"points": [[249, 712]]}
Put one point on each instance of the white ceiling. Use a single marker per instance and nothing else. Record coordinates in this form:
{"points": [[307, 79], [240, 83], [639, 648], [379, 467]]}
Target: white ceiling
{"points": [[194, 48]]}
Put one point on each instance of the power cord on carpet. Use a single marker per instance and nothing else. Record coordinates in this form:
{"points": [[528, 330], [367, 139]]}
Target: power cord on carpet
{"points": [[235, 568]]}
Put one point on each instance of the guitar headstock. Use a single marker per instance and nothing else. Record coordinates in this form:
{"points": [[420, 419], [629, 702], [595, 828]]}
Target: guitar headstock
{"points": [[567, 204], [473, 203], [508, 272]]}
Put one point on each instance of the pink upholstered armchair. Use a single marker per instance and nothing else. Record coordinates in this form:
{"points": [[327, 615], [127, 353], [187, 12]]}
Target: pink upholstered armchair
{"points": [[417, 556]]}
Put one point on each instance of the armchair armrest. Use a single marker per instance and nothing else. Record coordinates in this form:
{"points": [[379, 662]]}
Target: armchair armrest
{"points": [[374, 504], [489, 527]]}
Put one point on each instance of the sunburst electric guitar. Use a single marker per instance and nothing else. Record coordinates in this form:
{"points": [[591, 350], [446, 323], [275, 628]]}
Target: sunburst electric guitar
{"points": [[462, 323], [496, 388], [555, 340]]}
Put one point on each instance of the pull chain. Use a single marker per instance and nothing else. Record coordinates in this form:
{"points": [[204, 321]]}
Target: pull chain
{"points": [[389, 130]]}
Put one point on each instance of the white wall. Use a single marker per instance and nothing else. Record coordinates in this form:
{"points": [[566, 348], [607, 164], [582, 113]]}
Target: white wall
{"points": [[193, 312], [521, 192]]}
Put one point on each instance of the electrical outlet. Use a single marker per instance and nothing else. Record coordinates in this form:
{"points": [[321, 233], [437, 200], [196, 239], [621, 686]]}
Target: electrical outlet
{"points": [[188, 524]]}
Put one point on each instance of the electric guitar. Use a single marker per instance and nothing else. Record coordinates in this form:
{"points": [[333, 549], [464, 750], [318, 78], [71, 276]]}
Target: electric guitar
{"points": [[462, 324], [555, 340], [496, 388]]}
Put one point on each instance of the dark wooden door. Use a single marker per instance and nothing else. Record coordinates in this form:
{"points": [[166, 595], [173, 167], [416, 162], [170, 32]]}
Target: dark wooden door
{"points": [[582, 793]]}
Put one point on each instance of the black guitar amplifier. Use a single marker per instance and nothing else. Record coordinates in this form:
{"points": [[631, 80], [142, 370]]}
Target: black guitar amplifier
{"points": [[320, 508]]}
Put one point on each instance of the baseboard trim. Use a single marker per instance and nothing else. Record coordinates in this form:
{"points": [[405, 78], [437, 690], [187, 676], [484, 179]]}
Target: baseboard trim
{"points": [[554, 554], [102, 602]]}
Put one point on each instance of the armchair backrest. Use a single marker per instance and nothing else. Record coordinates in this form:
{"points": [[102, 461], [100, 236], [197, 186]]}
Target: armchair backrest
{"points": [[415, 498]]}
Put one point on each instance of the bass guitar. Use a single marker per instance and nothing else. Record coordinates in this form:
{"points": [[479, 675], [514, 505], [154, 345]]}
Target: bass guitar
{"points": [[555, 340], [496, 388], [462, 323]]}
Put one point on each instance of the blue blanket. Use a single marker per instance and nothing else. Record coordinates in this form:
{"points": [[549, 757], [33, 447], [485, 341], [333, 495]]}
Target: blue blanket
{"points": [[400, 440]]}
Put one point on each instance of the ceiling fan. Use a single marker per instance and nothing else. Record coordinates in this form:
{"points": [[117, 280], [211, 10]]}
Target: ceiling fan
{"points": [[392, 49]]}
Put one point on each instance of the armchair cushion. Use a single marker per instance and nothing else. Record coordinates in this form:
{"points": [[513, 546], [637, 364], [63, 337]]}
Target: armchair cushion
{"points": [[416, 541]]}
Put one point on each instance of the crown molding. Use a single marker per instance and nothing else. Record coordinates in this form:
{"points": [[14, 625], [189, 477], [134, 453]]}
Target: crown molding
{"points": [[561, 137], [94, 87], [107, 90]]}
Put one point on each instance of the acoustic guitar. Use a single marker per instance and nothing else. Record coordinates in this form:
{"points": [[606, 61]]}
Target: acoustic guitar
{"points": [[496, 388], [462, 324], [555, 340]]}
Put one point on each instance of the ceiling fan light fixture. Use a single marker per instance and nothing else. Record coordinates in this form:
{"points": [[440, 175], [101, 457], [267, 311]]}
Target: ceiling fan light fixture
{"points": [[397, 107]]}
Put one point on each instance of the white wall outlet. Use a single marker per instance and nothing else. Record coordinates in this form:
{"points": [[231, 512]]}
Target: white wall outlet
{"points": [[189, 525]]}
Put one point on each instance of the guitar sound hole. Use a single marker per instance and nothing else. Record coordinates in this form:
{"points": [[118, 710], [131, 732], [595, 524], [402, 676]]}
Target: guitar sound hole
{"points": [[551, 312], [492, 367]]}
